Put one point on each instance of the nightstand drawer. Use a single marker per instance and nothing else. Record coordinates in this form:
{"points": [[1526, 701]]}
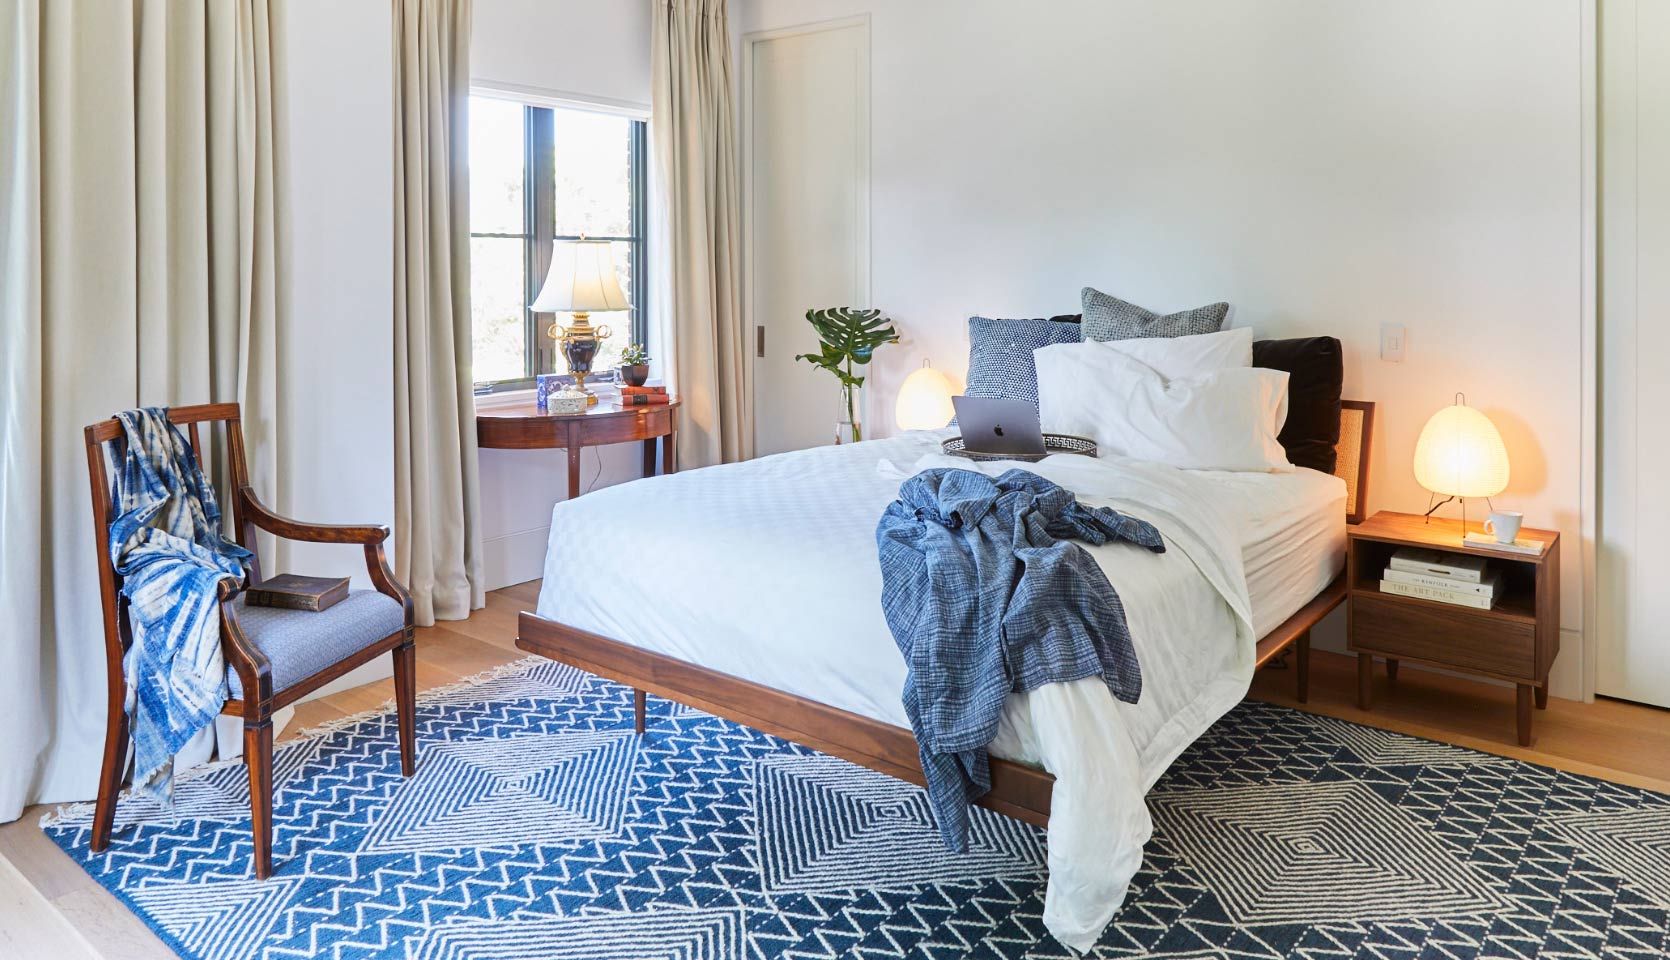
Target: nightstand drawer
{"points": [[1442, 634]]}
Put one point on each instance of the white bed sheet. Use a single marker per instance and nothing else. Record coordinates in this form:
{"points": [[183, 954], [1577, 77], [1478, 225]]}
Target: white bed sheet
{"points": [[1292, 532], [767, 571]]}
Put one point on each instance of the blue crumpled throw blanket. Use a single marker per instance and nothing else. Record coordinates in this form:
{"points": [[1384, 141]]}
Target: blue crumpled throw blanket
{"points": [[985, 594], [167, 545]]}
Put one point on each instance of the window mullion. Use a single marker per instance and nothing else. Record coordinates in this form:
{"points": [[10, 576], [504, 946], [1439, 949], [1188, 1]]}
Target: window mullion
{"points": [[637, 253], [539, 217]]}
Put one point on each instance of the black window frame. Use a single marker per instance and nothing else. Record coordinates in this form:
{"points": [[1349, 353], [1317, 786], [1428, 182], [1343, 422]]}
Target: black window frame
{"points": [[539, 235]]}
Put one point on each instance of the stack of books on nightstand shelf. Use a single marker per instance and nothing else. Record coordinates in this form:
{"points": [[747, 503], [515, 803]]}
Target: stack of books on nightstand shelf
{"points": [[642, 396], [1461, 579]]}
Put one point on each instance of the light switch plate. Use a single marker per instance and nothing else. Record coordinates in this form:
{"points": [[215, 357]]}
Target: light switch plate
{"points": [[1392, 342]]}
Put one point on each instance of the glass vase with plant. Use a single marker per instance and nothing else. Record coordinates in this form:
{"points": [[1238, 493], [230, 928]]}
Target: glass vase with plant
{"points": [[848, 337]]}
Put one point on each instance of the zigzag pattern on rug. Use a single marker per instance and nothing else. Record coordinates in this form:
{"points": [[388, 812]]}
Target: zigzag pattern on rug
{"points": [[538, 825]]}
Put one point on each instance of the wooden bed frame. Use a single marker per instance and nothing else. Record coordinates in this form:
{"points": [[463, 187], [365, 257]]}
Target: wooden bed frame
{"points": [[1017, 790]]}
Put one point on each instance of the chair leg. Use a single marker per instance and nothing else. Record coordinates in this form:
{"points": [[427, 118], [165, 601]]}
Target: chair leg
{"points": [[110, 775], [405, 704], [638, 711], [258, 756], [1302, 681]]}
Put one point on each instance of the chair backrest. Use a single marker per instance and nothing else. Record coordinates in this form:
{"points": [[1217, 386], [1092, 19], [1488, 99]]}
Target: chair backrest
{"points": [[109, 433], [1356, 435]]}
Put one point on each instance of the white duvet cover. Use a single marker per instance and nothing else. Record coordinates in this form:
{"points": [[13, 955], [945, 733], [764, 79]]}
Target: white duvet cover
{"points": [[767, 570]]}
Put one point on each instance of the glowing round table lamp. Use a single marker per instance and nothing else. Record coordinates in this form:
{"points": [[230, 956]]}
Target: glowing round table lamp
{"points": [[1460, 454], [924, 401]]}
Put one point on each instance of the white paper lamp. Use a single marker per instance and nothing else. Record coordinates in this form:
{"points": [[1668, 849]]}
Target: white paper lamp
{"points": [[924, 401], [1460, 454]]}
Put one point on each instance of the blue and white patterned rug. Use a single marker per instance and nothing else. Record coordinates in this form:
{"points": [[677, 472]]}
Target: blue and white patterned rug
{"points": [[539, 825]]}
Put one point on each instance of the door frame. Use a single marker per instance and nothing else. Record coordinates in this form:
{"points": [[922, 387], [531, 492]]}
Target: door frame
{"points": [[749, 313]]}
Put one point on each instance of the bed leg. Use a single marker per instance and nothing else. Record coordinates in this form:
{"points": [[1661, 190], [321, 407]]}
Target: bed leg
{"points": [[1302, 680], [1365, 681], [638, 711]]}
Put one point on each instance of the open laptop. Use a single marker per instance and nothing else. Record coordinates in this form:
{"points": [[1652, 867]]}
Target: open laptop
{"points": [[995, 426]]}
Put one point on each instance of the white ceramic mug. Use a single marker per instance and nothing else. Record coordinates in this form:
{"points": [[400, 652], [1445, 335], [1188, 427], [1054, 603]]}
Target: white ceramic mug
{"points": [[1505, 524]]}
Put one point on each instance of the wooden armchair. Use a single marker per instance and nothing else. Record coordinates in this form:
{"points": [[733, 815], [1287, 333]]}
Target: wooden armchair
{"points": [[276, 656]]}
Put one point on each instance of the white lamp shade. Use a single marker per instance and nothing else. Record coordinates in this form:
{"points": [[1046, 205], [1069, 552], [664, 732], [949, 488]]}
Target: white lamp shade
{"points": [[1460, 454], [582, 278], [924, 401]]}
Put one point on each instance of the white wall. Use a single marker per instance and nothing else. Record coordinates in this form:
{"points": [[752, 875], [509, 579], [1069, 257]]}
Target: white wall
{"points": [[1326, 167], [335, 111], [595, 50], [586, 49]]}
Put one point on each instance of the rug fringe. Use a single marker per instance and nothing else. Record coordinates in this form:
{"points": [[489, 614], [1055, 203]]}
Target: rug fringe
{"points": [[84, 808]]}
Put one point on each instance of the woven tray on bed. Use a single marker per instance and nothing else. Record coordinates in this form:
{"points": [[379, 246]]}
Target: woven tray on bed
{"points": [[1053, 443]]}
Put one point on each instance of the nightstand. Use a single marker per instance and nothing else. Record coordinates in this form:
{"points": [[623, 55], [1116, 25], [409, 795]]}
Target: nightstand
{"points": [[1516, 640]]}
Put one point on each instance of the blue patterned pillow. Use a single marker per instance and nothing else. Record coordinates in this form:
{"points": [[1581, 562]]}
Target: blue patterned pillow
{"points": [[1000, 355]]}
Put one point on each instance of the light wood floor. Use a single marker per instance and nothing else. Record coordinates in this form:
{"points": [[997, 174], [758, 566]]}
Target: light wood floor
{"points": [[49, 907]]}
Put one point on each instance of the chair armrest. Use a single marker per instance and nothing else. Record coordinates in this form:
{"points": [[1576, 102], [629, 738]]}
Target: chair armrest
{"points": [[259, 514]]}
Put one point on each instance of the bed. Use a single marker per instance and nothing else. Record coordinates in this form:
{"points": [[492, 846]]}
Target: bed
{"points": [[758, 602]]}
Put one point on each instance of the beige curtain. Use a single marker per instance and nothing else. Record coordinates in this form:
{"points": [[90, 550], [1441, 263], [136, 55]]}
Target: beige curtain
{"points": [[136, 267], [694, 135], [437, 530]]}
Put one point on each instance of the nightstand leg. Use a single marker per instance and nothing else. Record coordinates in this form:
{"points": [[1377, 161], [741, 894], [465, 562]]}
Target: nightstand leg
{"points": [[1524, 714], [1365, 681], [1391, 669], [1542, 696], [1303, 680], [573, 470], [649, 457]]}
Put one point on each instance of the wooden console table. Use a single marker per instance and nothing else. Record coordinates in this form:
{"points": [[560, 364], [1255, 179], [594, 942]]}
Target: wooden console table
{"points": [[520, 426]]}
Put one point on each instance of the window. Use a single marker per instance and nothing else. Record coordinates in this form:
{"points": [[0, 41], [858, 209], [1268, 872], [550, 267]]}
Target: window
{"points": [[539, 175]]}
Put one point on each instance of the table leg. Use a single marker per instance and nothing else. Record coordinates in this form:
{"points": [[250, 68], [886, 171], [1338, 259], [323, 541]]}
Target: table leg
{"points": [[649, 457], [669, 460], [1365, 681], [1391, 669], [574, 470], [1542, 696], [638, 711], [1523, 714]]}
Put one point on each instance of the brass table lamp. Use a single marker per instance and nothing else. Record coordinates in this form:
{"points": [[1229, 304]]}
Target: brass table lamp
{"points": [[582, 278]]}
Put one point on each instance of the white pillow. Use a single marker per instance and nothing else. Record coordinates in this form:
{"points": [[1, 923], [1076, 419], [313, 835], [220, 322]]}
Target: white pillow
{"points": [[1173, 357], [1223, 420]]}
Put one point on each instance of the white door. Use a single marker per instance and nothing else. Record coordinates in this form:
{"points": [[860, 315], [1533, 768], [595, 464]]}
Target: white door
{"points": [[1632, 583], [806, 159]]}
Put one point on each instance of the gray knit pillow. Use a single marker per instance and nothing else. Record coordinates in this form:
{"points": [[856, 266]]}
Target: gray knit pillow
{"points": [[1110, 318]]}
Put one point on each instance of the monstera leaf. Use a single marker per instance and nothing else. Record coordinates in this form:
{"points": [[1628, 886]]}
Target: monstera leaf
{"points": [[848, 337]]}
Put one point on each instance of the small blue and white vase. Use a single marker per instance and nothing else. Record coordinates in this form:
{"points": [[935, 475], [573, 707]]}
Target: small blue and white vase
{"points": [[546, 384]]}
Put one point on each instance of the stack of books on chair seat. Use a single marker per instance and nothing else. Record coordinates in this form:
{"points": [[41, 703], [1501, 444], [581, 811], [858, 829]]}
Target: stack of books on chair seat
{"points": [[1461, 579]]}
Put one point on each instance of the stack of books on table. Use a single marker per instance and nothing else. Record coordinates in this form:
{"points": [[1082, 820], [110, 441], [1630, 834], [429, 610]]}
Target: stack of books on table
{"points": [[1457, 578], [642, 396]]}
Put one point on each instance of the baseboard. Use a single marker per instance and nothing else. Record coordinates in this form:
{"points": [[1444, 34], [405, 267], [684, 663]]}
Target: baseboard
{"points": [[514, 558]]}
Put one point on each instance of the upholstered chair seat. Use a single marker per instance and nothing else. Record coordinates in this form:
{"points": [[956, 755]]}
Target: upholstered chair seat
{"points": [[300, 643]]}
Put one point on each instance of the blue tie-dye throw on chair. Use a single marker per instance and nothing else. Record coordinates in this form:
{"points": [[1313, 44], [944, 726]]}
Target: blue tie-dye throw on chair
{"points": [[167, 545]]}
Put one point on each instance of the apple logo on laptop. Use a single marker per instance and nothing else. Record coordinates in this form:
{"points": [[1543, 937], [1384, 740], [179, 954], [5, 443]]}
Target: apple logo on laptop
{"points": [[998, 429]]}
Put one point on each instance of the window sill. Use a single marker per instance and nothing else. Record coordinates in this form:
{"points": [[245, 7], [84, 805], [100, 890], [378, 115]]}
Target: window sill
{"points": [[507, 398]]}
